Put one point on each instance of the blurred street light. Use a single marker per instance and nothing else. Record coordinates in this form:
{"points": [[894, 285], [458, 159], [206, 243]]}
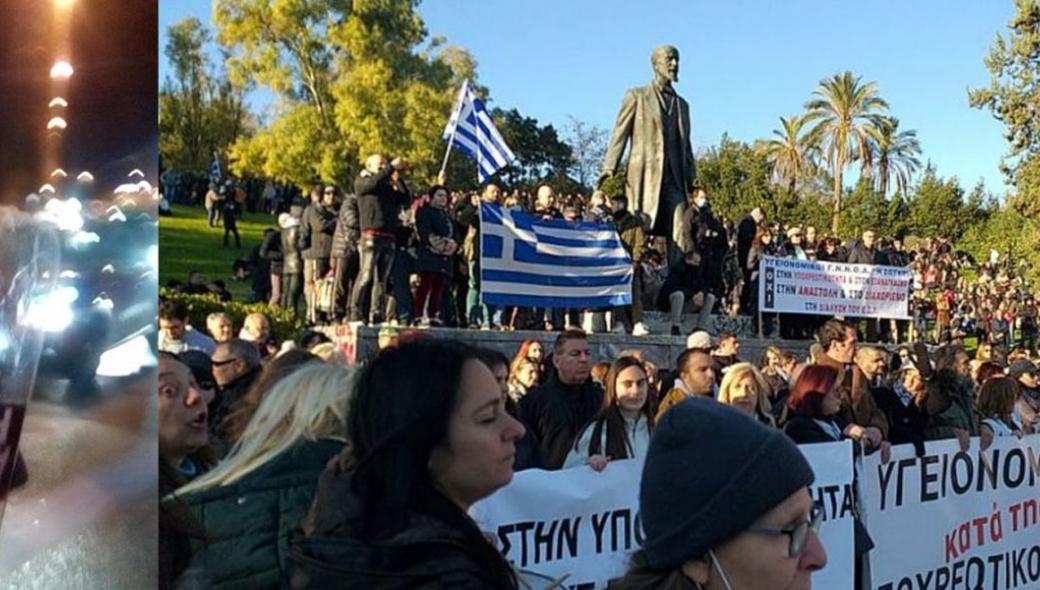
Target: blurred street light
{"points": [[61, 70], [56, 123], [47, 188], [64, 3], [85, 177], [58, 172], [57, 101]]}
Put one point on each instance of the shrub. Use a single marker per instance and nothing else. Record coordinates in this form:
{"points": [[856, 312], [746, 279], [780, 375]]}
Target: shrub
{"points": [[284, 324]]}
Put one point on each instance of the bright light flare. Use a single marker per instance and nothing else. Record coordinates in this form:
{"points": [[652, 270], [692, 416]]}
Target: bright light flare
{"points": [[57, 101], [47, 188], [135, 172], [64, 3], [59, 172], [81, 239], [61, 70], [64, 214], [57, 123], [127, 358], [53, 311], [108, 268], [85, 177], [115, 214]]}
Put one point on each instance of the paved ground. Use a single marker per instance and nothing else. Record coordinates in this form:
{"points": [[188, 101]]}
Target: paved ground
{"points": [[87, 517]]}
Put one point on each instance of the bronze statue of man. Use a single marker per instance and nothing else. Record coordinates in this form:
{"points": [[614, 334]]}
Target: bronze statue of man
{"points": [[661, 170]]}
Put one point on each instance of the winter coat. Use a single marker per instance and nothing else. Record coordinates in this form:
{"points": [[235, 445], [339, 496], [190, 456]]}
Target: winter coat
{"points": [[348, 230], [633, 236], [907, 423], [857, 404], [557, 412], [271, 251], [803, 429], [435, 228], [379, 202], [248, 523], [860, 254], [433, 551], [681, 277], [950, 406], [316, 229], [290, 254]]}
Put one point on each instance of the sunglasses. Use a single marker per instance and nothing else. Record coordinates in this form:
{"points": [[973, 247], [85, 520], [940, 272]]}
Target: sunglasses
{"points": [[223, 362], [797, 534]]}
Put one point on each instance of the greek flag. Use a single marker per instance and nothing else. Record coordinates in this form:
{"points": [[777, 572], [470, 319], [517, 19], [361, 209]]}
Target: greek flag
{"points": [[533, 262], [214, 168], [471, 130]]}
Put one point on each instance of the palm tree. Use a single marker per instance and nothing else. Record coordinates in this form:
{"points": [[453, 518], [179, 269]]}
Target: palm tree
{"points": [[790, 153], [843, 112], [894, 154]]}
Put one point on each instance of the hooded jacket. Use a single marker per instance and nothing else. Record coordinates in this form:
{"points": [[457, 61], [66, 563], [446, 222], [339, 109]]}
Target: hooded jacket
{"points": [[290, 255]]}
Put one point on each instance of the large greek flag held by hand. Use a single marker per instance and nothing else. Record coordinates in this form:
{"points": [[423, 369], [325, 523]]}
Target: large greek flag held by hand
{"points": [[533, 262], [471, 130]]}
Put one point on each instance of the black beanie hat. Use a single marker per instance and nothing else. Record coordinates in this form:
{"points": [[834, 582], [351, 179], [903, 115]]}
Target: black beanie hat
{"points": [[710, 472]]}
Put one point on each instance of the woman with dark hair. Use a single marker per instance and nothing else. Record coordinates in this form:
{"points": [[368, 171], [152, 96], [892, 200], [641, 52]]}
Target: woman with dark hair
{"points": [[812, 407], [534, 351], [428, 436], [996, 406], [622, 428], [273, 372], [438, 242]]}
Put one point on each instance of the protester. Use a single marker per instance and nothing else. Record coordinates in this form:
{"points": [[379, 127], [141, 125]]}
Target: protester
{"points": [[314, 241], [1024, 372], [219, 326], [684, 291], [236, 364], [746, 389], [467, 214], [838, 340], [344, 255], [251, 501], [428, 436], [724, 503], [256, 328], [274, 371], [271, 251], [175, 335], [696, 379], [621, 429], [230, 211], [292, 266], [996, 406], [438, 242], [813, 408], [633, 236], [903, 405], [557, 410], [380, 200], [948, 393], [724, 355]]}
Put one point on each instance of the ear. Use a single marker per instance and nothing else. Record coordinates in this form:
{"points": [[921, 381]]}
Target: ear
{"points": [[697, 570]]}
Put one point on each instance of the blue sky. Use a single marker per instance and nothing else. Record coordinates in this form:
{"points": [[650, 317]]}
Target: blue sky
{"points": [[743, 64]]}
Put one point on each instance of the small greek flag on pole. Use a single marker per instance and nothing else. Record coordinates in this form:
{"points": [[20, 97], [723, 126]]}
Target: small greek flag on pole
{"points": [[471, 130], [214, 168], [534, 262]]}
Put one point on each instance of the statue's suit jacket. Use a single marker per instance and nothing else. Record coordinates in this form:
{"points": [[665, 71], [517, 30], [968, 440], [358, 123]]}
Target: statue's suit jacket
{"points": [[640, 121]]}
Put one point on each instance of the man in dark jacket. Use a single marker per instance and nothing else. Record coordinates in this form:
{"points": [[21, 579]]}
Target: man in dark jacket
{"points": [[746, 237], [271, 251], [866, 251], [709, 237], [558, 410], [236, 364], [345, 253], [292, 265], [633, 237], [906, 420], [315, 242], [380, 199], [684, 291], [467, 213]]}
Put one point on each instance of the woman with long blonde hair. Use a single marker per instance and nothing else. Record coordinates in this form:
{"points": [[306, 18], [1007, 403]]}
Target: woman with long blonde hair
{"points": [[252, 499]]}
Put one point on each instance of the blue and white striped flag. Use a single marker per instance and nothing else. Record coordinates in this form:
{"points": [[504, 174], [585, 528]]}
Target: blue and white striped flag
{"points": [[214, 168], [533, 262], [471, 130]]}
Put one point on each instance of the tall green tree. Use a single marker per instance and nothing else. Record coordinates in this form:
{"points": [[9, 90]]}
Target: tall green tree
{"points": [[790, 153], [842, 114], [200, 111], [1013, 94], [895, 154], [737, 178]]}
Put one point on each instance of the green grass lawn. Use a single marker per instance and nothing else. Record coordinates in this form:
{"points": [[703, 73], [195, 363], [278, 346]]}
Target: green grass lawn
{"points": [[186, 243]]}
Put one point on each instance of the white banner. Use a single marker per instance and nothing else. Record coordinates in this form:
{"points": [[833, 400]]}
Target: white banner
{"points": [[585, 525], [955, 521], [786, 285]]}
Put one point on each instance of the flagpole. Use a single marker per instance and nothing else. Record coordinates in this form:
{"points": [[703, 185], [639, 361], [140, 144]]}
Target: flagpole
{"points": [[451, 137]]}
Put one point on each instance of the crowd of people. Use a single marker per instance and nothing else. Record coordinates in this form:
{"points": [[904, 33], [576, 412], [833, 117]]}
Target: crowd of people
{"points": [[379, 252], [285, 465]]}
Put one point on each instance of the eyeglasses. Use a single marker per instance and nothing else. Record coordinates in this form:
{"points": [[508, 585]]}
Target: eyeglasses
{"points": [[799, 533], [223, 362]]}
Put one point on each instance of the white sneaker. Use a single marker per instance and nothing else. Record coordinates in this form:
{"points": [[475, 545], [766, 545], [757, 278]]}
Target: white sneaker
{"points": [[640, 329]]}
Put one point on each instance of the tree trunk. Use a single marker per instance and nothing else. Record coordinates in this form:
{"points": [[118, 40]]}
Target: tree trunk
{"points": [[837, 197]]}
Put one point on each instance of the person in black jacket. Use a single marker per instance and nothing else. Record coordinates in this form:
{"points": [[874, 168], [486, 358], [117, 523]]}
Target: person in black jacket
{"points": [[344, 253], [684, 290], [438, 242], [317, 227], [380, 200], [428, 436], [558, 410], [271, 251], [813, 407], [230, 210], [292, 266]]}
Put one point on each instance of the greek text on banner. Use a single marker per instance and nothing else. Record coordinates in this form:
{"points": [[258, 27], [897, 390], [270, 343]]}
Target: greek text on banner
{"points": [[832, 288]]}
